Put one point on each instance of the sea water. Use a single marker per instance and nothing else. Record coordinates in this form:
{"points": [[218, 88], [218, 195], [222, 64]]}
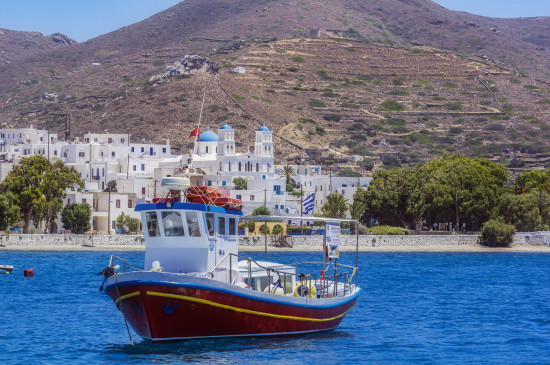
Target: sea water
{"points": [[442, 308]]}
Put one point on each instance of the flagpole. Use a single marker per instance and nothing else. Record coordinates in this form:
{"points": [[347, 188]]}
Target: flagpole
{"points": [[301, 209]]}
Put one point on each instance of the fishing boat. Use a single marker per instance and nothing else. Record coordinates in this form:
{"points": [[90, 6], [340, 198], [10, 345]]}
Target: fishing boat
{"points": [[194, 283]]}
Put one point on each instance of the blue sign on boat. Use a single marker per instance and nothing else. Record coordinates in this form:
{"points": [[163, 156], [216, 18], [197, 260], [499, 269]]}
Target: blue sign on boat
{"points": [[15, 229]]}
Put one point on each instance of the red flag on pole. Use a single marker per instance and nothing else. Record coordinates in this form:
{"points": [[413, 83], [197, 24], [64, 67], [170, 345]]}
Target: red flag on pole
{"points": [[195, 133]]}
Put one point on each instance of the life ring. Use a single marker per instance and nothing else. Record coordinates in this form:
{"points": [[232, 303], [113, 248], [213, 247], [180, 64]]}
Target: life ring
{"points": [[305, 291]]}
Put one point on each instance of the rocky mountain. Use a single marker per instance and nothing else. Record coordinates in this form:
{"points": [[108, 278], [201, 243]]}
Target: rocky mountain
{"points": [[402, 78], [16, 46]]}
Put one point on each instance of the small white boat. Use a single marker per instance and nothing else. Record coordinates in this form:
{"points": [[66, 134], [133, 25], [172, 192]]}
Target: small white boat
{"points": [[6, 269]]}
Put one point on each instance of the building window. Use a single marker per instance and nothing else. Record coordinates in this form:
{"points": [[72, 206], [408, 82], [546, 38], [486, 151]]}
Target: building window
{"points": [[113, 154], [251, 198], [209, 183], [118, 203], [240, 166], [142, 167], [142, 191], [55, 153], [134, 167], [224, 183], [113, 224], [163, 149], [142, 149], [257, 167], [83, 201], [80, 154], [130, 203], [122, 140], [220, 165], [95, 140], [110, 140], [132, 149], [229, 166]]}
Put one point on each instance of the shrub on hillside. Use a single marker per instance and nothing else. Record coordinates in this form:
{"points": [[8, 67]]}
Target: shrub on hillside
{"points": [[496, 233]]}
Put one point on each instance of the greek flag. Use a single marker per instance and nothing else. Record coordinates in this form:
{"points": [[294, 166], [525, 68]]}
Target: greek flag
{"points": [[308, 203]]}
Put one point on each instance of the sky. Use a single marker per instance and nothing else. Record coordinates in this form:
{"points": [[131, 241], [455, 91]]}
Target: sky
{"points": [[86, 19], [500, 8]]}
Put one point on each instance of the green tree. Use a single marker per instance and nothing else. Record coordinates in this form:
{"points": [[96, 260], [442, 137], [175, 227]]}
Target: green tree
{"points": [[388, 196], [349, 173], [521, 211], [539, 182], [9, 211], [287, 172], [76, 217], [495, 233], [240, 183], [111, 186], [261, 211], [462, 189], [335, 206], [57, 179], [127, 223], [39, 188]]}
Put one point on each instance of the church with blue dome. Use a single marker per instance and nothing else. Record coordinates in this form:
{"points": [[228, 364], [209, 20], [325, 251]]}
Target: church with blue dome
{"points": [[215, 154]]}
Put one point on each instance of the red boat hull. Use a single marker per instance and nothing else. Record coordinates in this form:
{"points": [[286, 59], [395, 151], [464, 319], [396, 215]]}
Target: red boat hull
{"points": [[174, 312]]}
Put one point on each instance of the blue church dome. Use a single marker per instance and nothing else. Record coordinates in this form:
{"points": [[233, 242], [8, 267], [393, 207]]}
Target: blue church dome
{"points": [[263, 129], [208, 136], [226, 126]]}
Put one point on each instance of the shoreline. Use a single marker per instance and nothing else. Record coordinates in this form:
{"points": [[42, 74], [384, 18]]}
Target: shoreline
{"points": [[435, 248]]}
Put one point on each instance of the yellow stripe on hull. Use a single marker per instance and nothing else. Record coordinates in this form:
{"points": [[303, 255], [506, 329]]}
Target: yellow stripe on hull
{"points": [[127, 296], [242, 310]]}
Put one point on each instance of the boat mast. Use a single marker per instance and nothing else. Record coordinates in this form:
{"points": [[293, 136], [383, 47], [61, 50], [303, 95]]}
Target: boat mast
{"points": [[198, 128]]}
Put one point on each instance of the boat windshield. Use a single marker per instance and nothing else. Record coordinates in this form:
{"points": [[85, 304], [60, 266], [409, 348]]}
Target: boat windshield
{"points": [[193, 224], [152, 224]]}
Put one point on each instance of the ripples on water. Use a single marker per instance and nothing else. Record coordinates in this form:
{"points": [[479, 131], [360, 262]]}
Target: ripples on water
{"points": [[460, 308]]}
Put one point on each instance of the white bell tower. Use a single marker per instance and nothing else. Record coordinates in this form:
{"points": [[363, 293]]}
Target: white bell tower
{"points": [[263, 146], [226, 140]]}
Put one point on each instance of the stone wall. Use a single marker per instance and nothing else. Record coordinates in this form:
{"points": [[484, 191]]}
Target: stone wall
{"points": [[535, 238], [70, 240], [368, 240]]}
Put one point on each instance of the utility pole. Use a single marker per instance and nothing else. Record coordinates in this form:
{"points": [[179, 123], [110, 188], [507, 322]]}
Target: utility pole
{"points": [[330, 184], [265, 199], [155, 189], [127, 166]]}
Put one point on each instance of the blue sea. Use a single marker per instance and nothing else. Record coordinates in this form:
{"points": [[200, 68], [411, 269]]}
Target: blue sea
{"points": [[427, 308]]}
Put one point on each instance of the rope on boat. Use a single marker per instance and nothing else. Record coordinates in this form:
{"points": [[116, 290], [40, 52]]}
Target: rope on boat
{"points": [[123, 316]]}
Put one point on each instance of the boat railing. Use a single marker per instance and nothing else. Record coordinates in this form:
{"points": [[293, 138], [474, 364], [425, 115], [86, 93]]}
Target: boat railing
{"points": [[126, 263], [329, 285]]}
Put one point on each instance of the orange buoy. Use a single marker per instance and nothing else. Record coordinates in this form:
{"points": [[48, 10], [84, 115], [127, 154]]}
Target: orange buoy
{"points": [[28, 272]]}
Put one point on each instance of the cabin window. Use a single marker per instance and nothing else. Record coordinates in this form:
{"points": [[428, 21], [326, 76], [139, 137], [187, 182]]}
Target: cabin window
{"points": [[152, 224], [210, 224], [221, 226], [232, 226], [172, 223], [193, 224]]}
